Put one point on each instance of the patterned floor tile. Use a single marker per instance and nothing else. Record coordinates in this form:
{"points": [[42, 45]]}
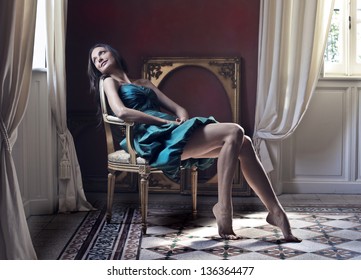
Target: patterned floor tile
{"points": [[252, 233], [309, 256], [167, 220], [252, 244], [347, 233], [354, 218], [198, 243], [252, 256], [357, 228], [179, 249], [326, 235], [160, 230], [281, 252], [201, 231], [356, 258], [196, 255], [204, 222], [297, 215], [248, 222], [301, 223], [151, 241], [321, 228], [146, 254], [254, 215], [354, 246], [308, 246], [310, 218], [337, 253], [171, 250], [329, 240], [340, 224], [338, 216], [226, 251], [306, 234]]}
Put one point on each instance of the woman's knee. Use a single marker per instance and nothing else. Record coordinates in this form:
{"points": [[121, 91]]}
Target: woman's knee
{"points": [[247, 140], [236, 133]]}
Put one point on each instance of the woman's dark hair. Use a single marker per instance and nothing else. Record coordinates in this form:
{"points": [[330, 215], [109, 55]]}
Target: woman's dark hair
{"points": [[95, 75]]}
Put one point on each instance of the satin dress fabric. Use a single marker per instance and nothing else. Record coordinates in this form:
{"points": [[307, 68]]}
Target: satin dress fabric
{"points": [[161, 145]]}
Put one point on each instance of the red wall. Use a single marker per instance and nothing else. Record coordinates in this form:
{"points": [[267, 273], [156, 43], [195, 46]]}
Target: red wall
{"points": [[145, 28]]}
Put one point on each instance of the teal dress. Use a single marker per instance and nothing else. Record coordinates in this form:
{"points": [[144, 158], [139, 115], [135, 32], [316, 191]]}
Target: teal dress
{"points": [[161, 145]]}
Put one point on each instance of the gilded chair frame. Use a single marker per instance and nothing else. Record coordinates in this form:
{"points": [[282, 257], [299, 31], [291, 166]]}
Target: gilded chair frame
{"points": [[121, 161], [227, 71]]}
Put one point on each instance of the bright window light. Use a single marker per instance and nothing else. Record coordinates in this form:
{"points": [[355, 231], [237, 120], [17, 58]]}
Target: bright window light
{"points": [[343, 50], [39, 60]]}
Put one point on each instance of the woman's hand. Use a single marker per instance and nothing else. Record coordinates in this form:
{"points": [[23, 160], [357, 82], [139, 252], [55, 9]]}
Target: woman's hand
{"points": [[178, 121], [181, 120]]}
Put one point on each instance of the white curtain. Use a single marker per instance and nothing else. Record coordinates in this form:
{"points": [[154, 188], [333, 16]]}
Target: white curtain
{"points": [[292, 39], [71, 193], [17, 26]]}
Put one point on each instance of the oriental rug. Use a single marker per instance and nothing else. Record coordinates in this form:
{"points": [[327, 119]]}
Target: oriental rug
{"points": [[173, 234], [95, 239]]}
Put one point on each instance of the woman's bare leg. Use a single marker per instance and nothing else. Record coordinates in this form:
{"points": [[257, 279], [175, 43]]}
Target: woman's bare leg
{"points": [[222, 141], [226, 167], [227, 142], [256, 177]]}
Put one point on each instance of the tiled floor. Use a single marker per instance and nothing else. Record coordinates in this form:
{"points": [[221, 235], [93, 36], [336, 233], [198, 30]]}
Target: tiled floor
{"points": [[328, 233], [51, 233]]}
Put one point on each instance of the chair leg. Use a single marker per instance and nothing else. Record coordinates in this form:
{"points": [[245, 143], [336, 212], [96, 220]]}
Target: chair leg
{"points": [[110, 195], [144, 184], [194, 179]]}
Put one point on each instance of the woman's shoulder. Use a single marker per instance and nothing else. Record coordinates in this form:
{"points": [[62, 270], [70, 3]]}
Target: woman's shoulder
{"points": [[142, 82], [108, 80]]}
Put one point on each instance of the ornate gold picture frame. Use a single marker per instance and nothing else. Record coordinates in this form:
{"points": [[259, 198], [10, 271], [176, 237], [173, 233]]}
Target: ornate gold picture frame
{"points": [[224, 71]]}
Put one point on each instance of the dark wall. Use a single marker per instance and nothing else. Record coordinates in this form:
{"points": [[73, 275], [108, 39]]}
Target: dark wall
{"points": [[144, 28]]}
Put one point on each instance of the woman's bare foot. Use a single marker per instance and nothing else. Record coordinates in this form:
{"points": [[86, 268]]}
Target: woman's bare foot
{"points": [[280, 220], [224, 222]]}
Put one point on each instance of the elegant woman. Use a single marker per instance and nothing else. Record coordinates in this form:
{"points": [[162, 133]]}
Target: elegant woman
{"points": [[168, 141]]}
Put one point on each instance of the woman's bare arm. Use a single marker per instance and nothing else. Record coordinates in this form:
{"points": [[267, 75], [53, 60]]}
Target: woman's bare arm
{"points": [[123, 112], [166, 102]]}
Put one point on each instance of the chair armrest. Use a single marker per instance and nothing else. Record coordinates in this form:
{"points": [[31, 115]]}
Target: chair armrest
{"points": [[128, 134], [116, 120]]}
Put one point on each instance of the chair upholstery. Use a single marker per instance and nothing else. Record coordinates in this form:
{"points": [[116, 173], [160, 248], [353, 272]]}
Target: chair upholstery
{"points": [[122, 161]]}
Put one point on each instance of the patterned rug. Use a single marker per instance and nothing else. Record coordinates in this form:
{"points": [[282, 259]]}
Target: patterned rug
{"points": [[327, 233], [95, 239]]}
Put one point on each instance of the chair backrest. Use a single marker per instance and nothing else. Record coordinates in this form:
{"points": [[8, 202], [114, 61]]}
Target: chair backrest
{"points": [[116, 129], [107, 127]]}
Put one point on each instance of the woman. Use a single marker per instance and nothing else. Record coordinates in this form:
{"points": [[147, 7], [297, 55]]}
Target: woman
{"points": [[168, 141]]}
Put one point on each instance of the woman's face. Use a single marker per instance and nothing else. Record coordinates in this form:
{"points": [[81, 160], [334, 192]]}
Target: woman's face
{"points": [[103, 60]]}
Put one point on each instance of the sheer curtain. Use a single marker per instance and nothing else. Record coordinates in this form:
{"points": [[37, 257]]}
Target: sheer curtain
{"points": [[71, 193], [17, 21], [292, 40]]}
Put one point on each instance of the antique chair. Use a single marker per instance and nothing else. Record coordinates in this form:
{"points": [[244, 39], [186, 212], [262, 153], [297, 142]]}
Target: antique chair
{"points": [[122, 161]]}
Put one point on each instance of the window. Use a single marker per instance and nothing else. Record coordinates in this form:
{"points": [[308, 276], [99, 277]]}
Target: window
{"points": [[343, 49], [39, 60]]}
